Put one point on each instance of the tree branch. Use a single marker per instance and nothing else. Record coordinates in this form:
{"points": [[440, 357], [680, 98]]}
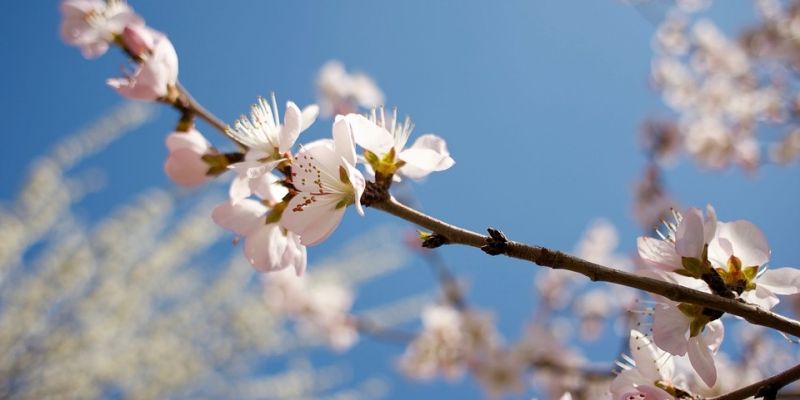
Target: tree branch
{"points": [[558, 260], [767, 388]]}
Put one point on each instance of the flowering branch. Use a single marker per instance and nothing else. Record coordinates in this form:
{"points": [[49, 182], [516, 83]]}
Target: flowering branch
{"points": [[496, 243], [766, 388]]}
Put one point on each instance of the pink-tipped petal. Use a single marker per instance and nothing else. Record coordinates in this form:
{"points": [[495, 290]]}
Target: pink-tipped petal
{"points": [[702, 360]]}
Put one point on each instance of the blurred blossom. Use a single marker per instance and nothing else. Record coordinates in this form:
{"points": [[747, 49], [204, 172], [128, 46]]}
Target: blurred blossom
{"points": [[500, 374], [651, 202], [320, 308], [155, 77], [93, 24], [341, 93]]}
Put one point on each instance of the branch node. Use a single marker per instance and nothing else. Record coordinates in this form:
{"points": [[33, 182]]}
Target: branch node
{"points": [[434, 240], [496, 243], [374, 193]]}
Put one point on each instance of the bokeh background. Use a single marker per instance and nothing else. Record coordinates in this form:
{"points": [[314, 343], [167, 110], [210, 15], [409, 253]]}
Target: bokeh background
{"points": [[540, 103]]}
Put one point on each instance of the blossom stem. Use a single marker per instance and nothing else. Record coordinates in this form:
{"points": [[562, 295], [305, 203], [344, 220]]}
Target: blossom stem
{"points": [[766, 388], [558, 260], [187, 104]]}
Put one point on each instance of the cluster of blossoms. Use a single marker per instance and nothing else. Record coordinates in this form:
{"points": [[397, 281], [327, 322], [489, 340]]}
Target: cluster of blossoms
{"points": [[321, 309], [725, 258], [724, 89], [277, 216], [283, 198]]}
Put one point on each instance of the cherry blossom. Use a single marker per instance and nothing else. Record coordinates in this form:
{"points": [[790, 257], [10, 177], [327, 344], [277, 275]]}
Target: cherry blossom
{"points": [[155, 77], [267, 246], [268, 141], [438, 348], [645, 374], [686, 329], [93, 24], [384, 141], [341, 93], [321, 308], [327, 182], [185, 163], [738, 251], [682, 248]]}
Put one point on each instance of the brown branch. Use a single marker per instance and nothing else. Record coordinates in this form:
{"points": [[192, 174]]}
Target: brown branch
{"points": [[188, 106], [767, 388], [496, 244]]}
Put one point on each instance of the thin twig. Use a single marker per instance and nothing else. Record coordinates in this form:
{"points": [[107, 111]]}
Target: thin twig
{"points": [[558, 260]]}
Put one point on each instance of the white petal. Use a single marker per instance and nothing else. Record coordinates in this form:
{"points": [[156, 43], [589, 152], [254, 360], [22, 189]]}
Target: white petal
{"points": [[308, 116], [292, 121], [267, 188], [780, 280], [702, 360], [648, 358], [690, 239], [315, 221], [343, 139], [761, 297], [316, 169], [264, 247], [192, 139], [658, 253], [369, 135], [670, 329], [713, 335], [427, 154], [241, 217], [747, 241]]}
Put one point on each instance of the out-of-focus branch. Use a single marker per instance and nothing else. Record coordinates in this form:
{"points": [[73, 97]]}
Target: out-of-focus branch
{"points": [[767, 388], [496, 244]]}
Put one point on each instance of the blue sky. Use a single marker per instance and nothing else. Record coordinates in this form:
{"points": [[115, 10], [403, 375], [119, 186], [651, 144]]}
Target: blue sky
{"points": [[540, 102]]}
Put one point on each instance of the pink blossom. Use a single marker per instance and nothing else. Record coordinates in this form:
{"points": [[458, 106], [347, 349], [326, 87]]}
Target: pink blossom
{"points": [[152, 78], [93, 24], [320, 308], [683, 329], [343, 93], [688, 239], [647, 366], [185, 164], [327, 182], [385, 138], [267, 246], [267, 141], [738, 252]]}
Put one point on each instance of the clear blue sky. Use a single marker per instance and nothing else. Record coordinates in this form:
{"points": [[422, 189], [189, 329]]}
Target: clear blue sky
{"points": [[539, 101]]}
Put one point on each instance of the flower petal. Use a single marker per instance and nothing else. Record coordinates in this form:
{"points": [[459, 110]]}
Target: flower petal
{"points": [[264, 247], [658, 253], [747, 241], [690, 237], [343, 140], [670, 329], [780, 280], [702, 361], [311, 217], [241, 217], [292, 120], [369, 135]]}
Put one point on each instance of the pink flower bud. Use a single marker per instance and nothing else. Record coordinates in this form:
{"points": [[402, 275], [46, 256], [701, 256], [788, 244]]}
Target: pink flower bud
{"points": [[185, 165], [139, 40]]}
